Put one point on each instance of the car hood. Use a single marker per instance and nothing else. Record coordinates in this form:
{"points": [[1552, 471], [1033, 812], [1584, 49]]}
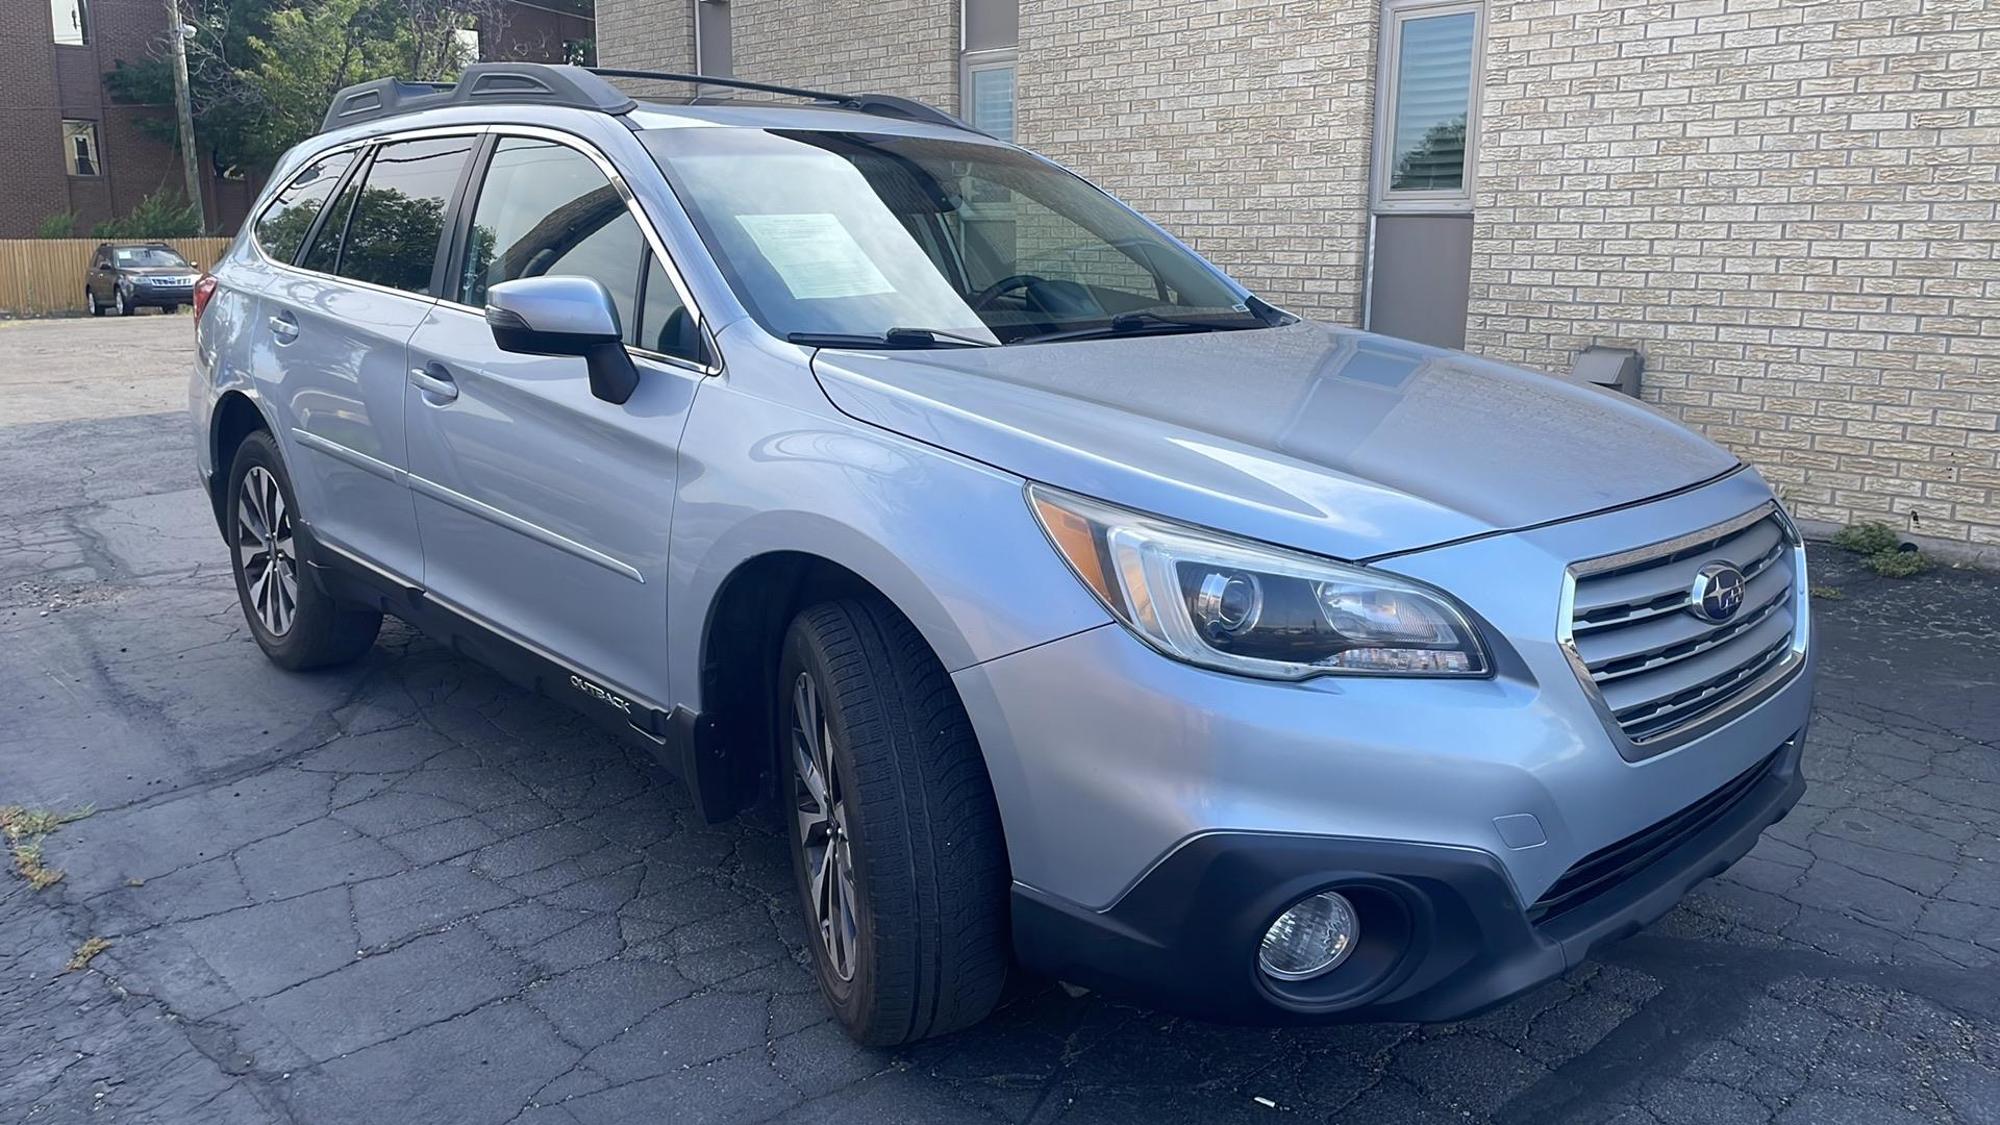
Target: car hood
{"points": [[157, 271], [1325, 439]]}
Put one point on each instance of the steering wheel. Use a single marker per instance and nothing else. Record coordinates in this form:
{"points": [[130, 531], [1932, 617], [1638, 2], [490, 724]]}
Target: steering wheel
{"points": [[999, 289]]}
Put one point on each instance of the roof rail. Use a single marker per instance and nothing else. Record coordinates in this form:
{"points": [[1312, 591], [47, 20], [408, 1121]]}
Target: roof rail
{"points": [[883, 105], [481, 83], [578, 87]]}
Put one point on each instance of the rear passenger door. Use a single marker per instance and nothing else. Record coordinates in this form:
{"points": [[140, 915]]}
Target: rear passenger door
{"points": [[334, 341], [545, 510]]}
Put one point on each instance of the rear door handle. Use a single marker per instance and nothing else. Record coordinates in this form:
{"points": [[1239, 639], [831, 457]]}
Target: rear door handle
{"points": [[435, 381], [284, 328]]}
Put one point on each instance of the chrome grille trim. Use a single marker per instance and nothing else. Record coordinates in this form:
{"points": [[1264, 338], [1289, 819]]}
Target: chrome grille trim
{"points": [[1672, 685]]}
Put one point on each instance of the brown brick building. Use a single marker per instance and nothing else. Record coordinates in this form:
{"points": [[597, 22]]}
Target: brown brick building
{"points": [[64, 145], [1790, 208]]}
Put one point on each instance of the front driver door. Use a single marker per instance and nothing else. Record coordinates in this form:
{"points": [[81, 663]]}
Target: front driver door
{"points": [[544, 511]]}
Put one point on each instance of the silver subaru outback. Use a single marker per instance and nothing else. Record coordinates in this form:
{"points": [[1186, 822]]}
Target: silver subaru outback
{"points": [[1074, 606]]}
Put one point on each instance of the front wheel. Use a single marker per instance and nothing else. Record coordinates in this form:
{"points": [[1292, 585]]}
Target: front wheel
{"points": [[295, 622], [124, 303], [897, 852]]}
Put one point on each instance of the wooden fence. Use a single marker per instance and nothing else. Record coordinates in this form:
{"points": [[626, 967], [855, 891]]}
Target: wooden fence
{"points": [[39, 276]]}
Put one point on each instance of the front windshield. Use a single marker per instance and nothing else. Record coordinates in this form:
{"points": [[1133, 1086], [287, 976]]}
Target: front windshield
{"points": [[146, 257], [847, 234]]}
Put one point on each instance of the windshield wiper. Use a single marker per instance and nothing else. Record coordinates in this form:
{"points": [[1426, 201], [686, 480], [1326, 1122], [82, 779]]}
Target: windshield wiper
{"points": [[889, 338], [1146, 323]]}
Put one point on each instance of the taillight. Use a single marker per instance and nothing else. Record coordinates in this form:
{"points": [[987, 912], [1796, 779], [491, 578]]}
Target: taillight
{"points": [[203, 290]]}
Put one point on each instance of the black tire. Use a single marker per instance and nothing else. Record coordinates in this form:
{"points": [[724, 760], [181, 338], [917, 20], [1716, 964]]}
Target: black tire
{"points": [[319, 630], [124, 306], [90, 301], [929, 863], [173, 310]]}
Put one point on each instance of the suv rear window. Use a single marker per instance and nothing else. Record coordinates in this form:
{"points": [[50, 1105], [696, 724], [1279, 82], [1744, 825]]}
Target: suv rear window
{"points": [[283, 225], [392, 236]]}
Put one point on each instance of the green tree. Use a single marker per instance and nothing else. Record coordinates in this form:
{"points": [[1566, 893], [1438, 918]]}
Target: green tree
{"points": [[261, 73]]}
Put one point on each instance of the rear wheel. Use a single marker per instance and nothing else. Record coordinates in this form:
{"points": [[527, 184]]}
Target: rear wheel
{"points": [[297, 624], [897, 852]]}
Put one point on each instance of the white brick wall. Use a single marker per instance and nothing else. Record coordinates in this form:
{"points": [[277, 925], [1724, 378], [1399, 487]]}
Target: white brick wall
{"points": [[1789, 207], [646, 35], [1240, 125], [907, 47]]}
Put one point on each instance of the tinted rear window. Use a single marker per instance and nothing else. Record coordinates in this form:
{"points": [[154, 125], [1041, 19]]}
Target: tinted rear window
{"points": [[392, 237], [282, 227]]}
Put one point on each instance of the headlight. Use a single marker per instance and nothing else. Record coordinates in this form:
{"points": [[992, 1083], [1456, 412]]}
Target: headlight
{"points": [[1244, 607]]}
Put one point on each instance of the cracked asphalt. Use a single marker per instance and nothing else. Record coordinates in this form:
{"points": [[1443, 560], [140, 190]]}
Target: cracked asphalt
{"points": [[405, 891]]}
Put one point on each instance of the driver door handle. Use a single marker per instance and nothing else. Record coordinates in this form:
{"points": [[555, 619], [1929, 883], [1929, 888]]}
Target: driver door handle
{"points": [[435, 381]]}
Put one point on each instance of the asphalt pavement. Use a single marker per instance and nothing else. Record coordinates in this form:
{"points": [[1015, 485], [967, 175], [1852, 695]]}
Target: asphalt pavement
{"points": [[404, 891]]}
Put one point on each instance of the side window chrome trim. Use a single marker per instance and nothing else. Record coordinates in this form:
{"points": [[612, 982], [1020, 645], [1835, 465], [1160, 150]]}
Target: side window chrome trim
{"points": [[652, 236], [361, 143], [540, 132]]}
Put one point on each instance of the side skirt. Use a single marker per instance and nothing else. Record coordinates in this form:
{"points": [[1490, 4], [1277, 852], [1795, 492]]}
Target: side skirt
{"points": [[687, 742]]}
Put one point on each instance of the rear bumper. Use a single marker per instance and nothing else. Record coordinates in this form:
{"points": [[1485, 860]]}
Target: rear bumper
{"points": [[1443, 935]]}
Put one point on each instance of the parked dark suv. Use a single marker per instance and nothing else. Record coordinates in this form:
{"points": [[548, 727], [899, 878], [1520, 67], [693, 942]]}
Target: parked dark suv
{"points": [[128, 276]]}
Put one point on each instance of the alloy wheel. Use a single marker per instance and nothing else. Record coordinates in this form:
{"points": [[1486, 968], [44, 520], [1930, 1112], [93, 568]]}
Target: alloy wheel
{"points": [[124, 308], [820, 807], [90, 301], [264, 551]]}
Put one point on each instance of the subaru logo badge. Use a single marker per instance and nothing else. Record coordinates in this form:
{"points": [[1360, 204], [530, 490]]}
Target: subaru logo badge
{"points": [[1717, 592]]}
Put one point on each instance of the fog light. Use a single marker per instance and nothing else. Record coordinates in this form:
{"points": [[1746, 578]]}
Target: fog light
{"points": [[1312, 937]]}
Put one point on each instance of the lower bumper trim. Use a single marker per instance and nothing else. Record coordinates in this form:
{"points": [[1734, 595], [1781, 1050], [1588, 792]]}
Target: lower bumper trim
{"points": [[1443, 935]]}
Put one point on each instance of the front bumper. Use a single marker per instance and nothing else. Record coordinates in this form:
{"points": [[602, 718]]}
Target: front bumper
{"points": [[159, 297], [1473, 799], [1443, 935]]}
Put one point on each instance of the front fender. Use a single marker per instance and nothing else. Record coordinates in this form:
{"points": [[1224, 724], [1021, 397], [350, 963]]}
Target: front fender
{"points": [[950, 542]]}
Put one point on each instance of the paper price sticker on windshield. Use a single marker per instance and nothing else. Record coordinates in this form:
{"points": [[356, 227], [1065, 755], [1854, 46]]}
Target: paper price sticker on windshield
{"points": [[815, 255]]}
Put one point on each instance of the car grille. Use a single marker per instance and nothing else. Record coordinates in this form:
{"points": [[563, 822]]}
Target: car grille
{"points": [[1659, 669], [1607, 867]]}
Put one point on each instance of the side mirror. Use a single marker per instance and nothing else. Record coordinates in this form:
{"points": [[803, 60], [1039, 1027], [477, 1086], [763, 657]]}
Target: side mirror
{"points": [[564, 316]]}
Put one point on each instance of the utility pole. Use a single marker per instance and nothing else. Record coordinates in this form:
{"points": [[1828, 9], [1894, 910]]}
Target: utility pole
{"points": [[190, 160]]}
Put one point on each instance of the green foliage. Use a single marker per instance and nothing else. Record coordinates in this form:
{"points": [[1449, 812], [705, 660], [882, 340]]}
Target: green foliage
{"points": [[1867, 538], [1897, 564], [164, 214], [262, 72], [62, 224]]}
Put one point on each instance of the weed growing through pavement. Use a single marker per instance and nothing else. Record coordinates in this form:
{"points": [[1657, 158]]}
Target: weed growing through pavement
{"points": [[25, 829]]}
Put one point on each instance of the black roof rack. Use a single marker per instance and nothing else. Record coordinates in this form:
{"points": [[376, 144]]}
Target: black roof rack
{"points": [[514, 83], [887, 105], [577, 88]]}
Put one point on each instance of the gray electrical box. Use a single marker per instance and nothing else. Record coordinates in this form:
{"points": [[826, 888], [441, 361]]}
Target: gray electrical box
{"points": [[1617, 368]]}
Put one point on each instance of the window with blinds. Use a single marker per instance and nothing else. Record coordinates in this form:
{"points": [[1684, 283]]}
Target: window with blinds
{"points": [[1430, 78], [989, 32]]}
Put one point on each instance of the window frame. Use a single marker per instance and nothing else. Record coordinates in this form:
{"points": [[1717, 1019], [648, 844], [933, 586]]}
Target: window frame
{"points": [[458, 216], [82, 29], [1395, 14], [312, 232], [971, 63], [95, 144], [441, 255], [468, 202]]}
